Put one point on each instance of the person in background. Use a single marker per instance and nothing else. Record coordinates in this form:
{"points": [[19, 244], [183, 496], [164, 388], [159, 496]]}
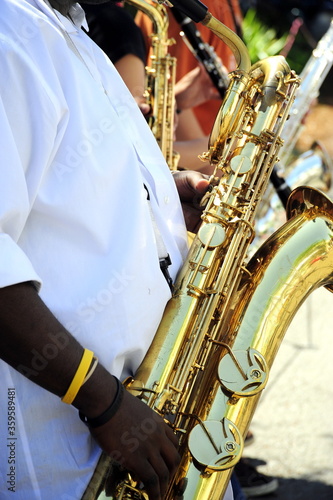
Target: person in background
{"points": [[112, 27]]}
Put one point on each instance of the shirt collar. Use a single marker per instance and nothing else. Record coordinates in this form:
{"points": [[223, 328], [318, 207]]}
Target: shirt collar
{"points": [[76, 13]]}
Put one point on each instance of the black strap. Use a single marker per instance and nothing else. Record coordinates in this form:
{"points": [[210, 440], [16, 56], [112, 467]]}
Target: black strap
{"points": [[109, 412], [164, 257]]}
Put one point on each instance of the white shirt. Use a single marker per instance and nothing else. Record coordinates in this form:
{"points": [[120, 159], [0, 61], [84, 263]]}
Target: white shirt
{"points": [[74, 218]]}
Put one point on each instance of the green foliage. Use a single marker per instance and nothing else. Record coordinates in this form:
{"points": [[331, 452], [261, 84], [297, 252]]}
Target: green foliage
{"points": [[261, 41]]}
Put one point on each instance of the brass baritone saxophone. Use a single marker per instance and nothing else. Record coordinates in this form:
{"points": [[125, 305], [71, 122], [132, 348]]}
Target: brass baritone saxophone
{"points": [[222, 328], [160, 80]]}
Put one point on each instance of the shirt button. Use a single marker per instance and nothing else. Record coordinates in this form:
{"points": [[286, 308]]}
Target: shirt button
{"points": [[166, 200]]}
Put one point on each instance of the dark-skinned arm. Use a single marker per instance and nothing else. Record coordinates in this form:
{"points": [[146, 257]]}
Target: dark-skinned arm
{"points": [[26, 328]]}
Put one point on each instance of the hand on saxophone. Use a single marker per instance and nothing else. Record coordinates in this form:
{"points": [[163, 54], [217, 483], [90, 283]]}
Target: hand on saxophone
{"points": [[191, 187], [140, 441]]}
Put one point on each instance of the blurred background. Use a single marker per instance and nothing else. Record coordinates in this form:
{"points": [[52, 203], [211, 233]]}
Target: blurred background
{"points": [[293, 28]]}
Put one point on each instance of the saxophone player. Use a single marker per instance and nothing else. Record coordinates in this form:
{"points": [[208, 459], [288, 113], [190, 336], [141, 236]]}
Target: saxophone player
{"points": [[82, 289]]}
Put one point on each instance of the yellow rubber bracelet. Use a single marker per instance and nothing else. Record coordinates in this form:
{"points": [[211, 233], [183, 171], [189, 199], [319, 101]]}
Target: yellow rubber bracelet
{"points": [[79, 377]]}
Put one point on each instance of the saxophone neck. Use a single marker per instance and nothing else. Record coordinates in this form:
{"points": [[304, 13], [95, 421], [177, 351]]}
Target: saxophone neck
{"points": [[199, 13], [233, 41]]}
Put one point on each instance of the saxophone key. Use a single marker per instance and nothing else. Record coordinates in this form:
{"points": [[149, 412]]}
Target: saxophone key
{"points": [[215, 445], [243, 373], [212, 235]]}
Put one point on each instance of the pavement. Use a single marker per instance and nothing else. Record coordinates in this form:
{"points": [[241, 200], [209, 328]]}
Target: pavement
{"points": [[293, 423]]}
